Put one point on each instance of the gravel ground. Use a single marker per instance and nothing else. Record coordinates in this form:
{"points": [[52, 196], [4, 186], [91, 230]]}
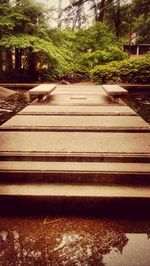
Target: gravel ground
{"points": [[11, 105], [140, 104]]}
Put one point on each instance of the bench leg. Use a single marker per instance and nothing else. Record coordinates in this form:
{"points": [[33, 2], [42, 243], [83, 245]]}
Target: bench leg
{"points": [[116, 99], [27, 96], [40, 98]]}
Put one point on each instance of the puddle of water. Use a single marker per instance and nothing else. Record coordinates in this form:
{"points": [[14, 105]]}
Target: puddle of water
{"points": [[74, 241], [135, 252]]}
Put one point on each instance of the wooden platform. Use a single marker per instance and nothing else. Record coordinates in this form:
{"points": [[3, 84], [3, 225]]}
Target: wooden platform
{"points": [[77, 147]]}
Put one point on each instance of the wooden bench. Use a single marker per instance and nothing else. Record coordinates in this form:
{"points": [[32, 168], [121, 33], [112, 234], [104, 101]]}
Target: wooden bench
{"points": [[42, 91], [114, 91]]}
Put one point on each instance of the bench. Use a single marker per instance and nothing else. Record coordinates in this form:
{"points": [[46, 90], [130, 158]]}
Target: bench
{"points": [[42, 91], [114, 91]]}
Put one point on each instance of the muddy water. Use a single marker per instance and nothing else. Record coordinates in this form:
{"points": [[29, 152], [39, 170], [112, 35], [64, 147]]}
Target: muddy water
{"points": [[74, 241]]}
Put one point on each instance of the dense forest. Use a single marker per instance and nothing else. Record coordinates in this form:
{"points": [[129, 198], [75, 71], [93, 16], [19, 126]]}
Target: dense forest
{"points": [[37, 45]]}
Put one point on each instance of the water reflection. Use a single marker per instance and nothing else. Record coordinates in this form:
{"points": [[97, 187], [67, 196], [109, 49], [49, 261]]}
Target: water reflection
{"points": [[136, 252], [73, 241]]}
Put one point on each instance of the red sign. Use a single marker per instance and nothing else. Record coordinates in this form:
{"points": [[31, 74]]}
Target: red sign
{"points": [[133, 35]]}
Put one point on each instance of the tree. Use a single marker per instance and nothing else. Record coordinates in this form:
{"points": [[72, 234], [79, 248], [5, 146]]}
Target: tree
{"points": [[141, 13], [6, 26], [74, 16], [20, 25]]}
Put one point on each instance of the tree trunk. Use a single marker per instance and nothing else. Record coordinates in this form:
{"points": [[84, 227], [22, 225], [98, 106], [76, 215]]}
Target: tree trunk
{"points": [[8, 62], [117, 19], [95, 9], [100, 17], [17, 58], [32, 65], [1, 59], [59, 13]]}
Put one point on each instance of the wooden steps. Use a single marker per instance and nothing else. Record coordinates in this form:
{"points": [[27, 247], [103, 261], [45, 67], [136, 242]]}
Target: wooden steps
{"points": [[74, 199], [74, 172], [76, 156]]}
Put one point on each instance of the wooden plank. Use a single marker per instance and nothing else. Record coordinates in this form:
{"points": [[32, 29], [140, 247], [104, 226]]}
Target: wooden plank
{"points": [[78, 110], [74, 172], [83, 123], [76, 167], [78, 100], [77, 191], [75, 144], [77, 91], [71, 87]]}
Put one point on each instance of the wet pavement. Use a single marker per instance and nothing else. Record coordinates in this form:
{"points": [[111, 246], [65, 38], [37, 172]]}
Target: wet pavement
{"points": [[74, 241]]}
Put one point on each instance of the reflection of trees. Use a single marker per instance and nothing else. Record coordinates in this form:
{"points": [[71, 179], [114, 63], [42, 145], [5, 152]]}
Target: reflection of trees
{"points": [[59, 242]]}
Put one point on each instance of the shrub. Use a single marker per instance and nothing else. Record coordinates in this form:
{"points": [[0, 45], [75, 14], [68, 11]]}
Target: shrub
{"points": [[135, 70], [105, 73], [131, 71]]}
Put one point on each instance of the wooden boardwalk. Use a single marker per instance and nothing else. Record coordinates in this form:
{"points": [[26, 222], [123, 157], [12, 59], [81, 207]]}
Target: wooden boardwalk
{"points": [[77, 146]]}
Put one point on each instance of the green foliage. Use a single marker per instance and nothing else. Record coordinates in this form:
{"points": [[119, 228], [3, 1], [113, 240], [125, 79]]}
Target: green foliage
{"points": [[142, 27], [25, 27], [131, 70], [141, 20], [105, 73], [90, 60], [6, 22], [141, 7], [96, 45], [25, 35], [135, 70], [96, 37]]}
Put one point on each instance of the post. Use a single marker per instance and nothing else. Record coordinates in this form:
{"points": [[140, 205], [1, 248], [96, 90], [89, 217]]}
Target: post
{"points": [[59, 13], [138, 50], [130, 16]]}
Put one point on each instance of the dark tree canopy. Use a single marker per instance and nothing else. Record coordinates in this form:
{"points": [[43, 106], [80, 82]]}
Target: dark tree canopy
{"points": [[87, 33]]}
